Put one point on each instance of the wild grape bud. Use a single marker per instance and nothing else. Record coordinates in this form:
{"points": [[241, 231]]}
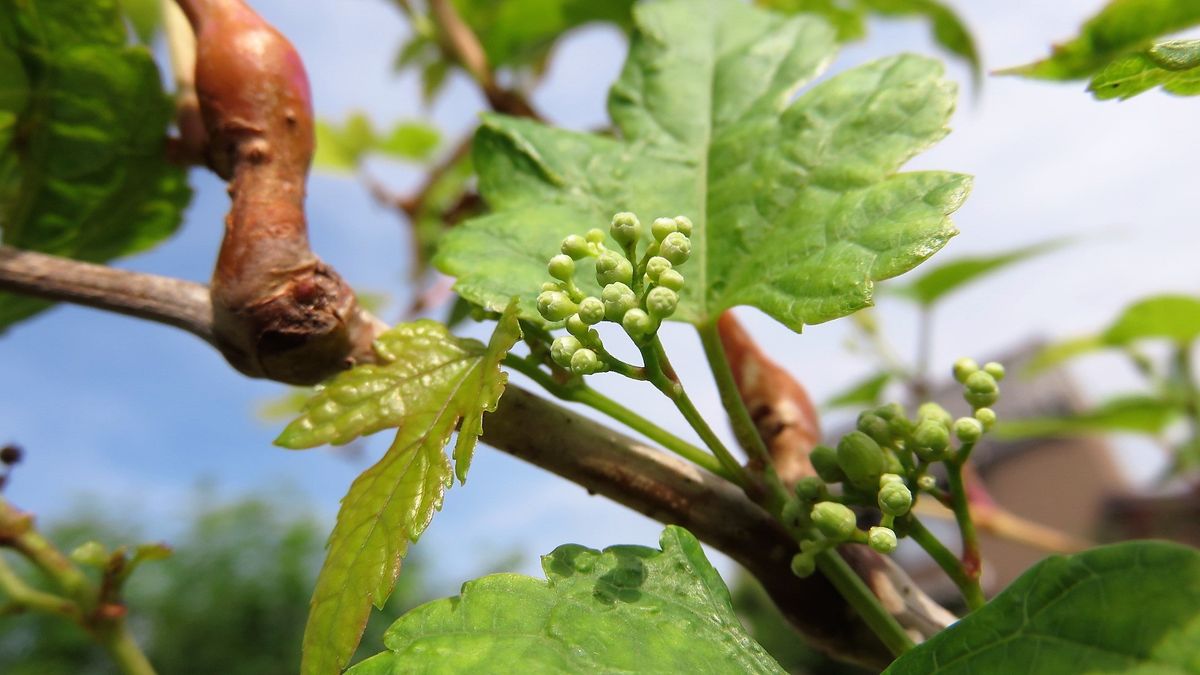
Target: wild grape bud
{"points": [[661, 302], [552, 286], [676, 248], [661, 227], [835, 520], [926, 482], [91, 553], [996, 370], [933, 435], [555, 305], [576, 247], [595, 235], [876, 427], [683, 225], [887, 478], [803, 565], [963, 368], [981, 389], [591, 310], [824, 461], [890, 411], [934, 412], [810, 489], [618, 298], [861, 459], [671, 279], [895, 499], [968, 429], [575, 326], [637, 323], [613, 268], [795, 514], [656, 266], [986, 417], [891, 463], [563, 348], [626, 229], [585, 362], [561, 267], [882, 540]]}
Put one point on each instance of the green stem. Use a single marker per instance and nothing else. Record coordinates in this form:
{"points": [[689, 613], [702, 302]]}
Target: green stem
{"points": [[972, 559], [1188, 454], [22, 597], [861, 598], [581, 393], [946, 559], [123, 649]]}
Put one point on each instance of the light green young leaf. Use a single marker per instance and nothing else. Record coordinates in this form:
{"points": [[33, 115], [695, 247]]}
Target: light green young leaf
{"points": [[863, 393], [932, 285], [1086, 613], [1136, 414], [414, 141], [1173, 317], [343, 147], [145, 16], [798, 208], [428, 382], [1122, 27], [89, 179], [1172, 65], [622, 610], [1060, 352]]}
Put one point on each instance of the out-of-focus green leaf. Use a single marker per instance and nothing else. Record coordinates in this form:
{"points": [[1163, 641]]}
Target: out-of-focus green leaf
{"points": [[934, 284], [428, 382], [862, 393], [848, 18], [798, 207], [625, 609], [1059, 352], [86, 175], [1172, 65], [1128, 608], [1173, 317], [409, 140], [1136, 414], [145, 16], [1122, 27], [343, 147]]}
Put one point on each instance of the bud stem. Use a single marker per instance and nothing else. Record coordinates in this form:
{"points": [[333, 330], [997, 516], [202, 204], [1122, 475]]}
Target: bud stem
{"points": [[967, 585]]}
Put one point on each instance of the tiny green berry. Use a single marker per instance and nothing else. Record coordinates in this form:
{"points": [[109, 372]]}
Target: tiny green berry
{"points": [[825, 461], [561, 267], [895, 499], [683, 225], [996, 370], [576, 247], [986, 417], [803, 565], [963, 368], [933, 435], [882, 540], [810, 489], [835, 520], [876, 427], [585, 362], [861, 459], [656, 266], [613, 268], [626, 229], [935, 412], [618, 298], [595, 235], [968, 429], [676, 248], [555, 305], [591, 310], [661, 302], [661, 227], [637, 323], [563, 348], [671, 279]]}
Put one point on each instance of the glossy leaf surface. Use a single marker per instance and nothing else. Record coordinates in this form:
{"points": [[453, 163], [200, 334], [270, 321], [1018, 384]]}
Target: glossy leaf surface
{"points": [[1172, 65]]}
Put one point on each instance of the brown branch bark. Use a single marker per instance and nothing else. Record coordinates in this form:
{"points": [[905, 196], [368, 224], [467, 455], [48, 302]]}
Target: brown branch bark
{"points": [[592, 455]]}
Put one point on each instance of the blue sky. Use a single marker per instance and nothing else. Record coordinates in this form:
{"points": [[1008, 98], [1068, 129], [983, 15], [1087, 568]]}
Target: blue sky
{"points": [[137, 415]]}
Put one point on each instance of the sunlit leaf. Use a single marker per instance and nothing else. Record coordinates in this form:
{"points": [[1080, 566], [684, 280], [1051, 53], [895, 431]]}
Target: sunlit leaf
{"points": [[863, 393], [934, 284], [343, 147], [1057, 353], [1173, 317], [1136, 414], [1172, 65]]}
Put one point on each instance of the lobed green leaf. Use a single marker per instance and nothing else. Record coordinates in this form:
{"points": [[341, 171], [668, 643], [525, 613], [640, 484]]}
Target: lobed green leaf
{"points": [[623, 609], [798, 208], [1085, 613]]}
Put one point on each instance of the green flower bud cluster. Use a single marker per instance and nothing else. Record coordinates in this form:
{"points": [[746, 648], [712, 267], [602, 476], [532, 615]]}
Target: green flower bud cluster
{"points": [[980, 385]]}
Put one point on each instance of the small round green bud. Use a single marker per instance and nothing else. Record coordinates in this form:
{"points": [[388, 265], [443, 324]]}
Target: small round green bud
{"points": [[803, 565], [890, 411], [963, 368], [671, 279], [561, 267], [618, 298], [926, 482], [656, 266], [661, 302], [934, 412], [895, 499], [900, 425], [824, 460], [661, 227], [981, 382], [882, 540], [613, 268], [861, 459], [577, 327], [676, 248], [986, 417], [576, 247], [555, 305], [626, 228], [889, 478], [891, 463], [552, 286], [810, 489], [876, 427], [933, 435], [585, 362], [91, 553], [637, 323], [683, 225], [980, 400], [595, 235], [835, 520], [591, 310], [563, 348], [795, 514], [996, 370], [968, 429]]}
